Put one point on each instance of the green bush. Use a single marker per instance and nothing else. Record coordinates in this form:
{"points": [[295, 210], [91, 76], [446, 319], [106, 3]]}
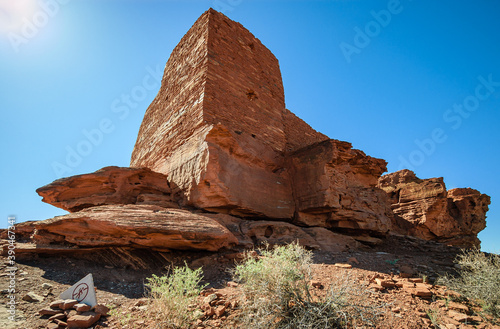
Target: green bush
{"points": [[479, 279], [173, 297], [276, 293]]}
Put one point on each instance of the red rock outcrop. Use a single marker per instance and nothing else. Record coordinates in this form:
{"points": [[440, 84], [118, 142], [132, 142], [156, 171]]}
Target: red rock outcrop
{"points": [[162, 229], [425, 209], [139, 226], [250, 233], [218, 140], [334, 187], [219, 129], [108, 186], [216, 125]]}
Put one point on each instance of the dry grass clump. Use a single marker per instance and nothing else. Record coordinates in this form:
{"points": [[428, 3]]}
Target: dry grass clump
{"points": [[478, 280], [173, 296], [276, 294]]}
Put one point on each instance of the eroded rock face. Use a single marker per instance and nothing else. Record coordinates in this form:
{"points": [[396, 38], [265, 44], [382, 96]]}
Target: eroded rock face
{"points": [[253, 233], [216, 126], [139, 226], [334, 187], [425, 209], [108, 186], [163, 229], [220, 130]]}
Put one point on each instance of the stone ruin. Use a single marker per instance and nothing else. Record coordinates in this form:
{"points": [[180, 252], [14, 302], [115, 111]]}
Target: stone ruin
{"points": [[220, 162]]}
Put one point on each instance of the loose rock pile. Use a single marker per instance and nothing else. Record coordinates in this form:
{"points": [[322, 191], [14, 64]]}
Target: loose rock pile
{"points": [[70, 313]]}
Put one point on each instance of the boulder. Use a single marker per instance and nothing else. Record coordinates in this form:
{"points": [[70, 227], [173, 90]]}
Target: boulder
{"points": [[139, 226], [425, 209], [109, 186]]}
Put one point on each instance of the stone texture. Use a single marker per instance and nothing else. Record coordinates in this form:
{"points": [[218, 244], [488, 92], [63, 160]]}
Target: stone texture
{"points": [[457, 316], [85, 320], [69, 304], [341, 265], [419, 290], [52, 326], [219, 311], [57, 304], [334, 187], [222, 134], [331, 241], [233, 224], [82, 307], [425, 209], [101, 309], [49, 311], [140, 226], [250, 233], [61, 323], [385, 283], [60, 316], [277, 233], [107, 186], [33, 297], [222, 119]]}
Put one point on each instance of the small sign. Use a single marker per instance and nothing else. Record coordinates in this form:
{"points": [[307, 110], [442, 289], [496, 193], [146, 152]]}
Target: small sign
{"points": [[83, 291]]}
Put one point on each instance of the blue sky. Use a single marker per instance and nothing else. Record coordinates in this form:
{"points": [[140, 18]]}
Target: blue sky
{"points": [[414, 82]]}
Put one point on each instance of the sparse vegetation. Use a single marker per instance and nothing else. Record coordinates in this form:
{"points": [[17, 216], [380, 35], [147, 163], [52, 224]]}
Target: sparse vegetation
{"points": [[173, 297], [276, 293], [434, 316], [479, 279]]}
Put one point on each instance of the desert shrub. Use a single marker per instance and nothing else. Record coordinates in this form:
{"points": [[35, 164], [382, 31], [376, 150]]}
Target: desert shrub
{"points": [[479, 279], [173, 296], [276, 293]]}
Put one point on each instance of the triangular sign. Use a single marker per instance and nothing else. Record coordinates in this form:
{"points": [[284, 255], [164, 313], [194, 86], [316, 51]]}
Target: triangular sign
{"points": [[83, 291]]}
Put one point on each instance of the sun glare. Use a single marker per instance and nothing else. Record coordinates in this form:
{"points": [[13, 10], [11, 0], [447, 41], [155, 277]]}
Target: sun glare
{"points": [[14, 14]]}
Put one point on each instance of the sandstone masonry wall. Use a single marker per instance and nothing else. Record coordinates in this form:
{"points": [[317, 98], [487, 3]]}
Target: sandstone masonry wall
{"points": [[234, 157]]}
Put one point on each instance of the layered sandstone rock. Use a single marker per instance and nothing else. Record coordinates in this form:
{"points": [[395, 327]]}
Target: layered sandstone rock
{"points": [[425, 209], [163, 229], [334, 187], [219, 129], [251, 233], [216, 126], [139, 226], [108, 186]]}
